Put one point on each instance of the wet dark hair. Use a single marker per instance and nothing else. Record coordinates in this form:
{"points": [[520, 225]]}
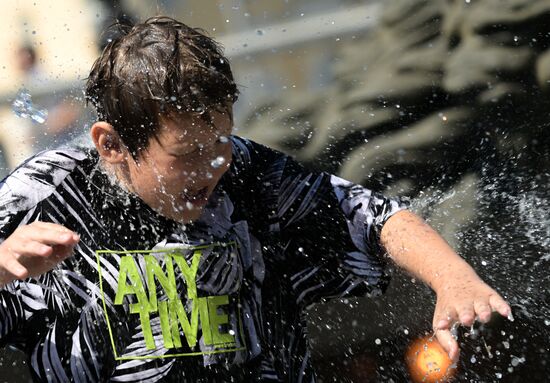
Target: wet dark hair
{"points": [[160, 67]]}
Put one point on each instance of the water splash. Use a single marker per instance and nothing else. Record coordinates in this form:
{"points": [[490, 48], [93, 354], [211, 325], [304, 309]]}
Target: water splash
{"points": [[23, 107], [498, 219]]}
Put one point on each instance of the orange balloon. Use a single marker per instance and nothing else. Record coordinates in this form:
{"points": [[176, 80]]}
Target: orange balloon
{"points": [[428, 362]]}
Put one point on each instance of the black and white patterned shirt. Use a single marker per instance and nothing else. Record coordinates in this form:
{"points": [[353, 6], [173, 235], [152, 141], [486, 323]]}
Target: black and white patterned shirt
{"points": [[145, 298]]}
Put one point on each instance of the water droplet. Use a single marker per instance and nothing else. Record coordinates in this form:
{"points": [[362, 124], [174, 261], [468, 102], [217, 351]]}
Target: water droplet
{"points": [[217, 162], [514, 362], [223, 139], [454, 330], [259, 32], [23, 107], [378, 341]]}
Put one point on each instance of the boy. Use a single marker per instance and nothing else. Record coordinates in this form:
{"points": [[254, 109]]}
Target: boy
{"points": [[196, 250]]}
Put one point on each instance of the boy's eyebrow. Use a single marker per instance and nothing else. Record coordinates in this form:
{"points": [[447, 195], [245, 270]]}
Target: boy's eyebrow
{"points": [[180, 144], [185, 144]]}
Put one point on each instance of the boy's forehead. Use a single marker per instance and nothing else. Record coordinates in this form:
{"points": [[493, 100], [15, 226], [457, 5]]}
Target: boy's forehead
{"points": [[184, 130]]}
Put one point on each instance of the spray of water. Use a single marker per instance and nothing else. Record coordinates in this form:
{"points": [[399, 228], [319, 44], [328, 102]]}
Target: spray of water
{"points": [[23, 107], [498, 219]]}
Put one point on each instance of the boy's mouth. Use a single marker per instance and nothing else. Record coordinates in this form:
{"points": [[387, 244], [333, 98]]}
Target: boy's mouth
{"points": [[195, 195]]}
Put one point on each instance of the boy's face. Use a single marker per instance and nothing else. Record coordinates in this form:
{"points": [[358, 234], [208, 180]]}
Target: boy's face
{"points": [[178, 172]]}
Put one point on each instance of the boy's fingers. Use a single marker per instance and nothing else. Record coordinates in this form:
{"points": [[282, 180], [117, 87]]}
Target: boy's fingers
{"points": [[483, 310], [449, 344], [439, 321], [51, 235], [31, 249], [499, 305], [444, 318], [12, 266], [466, 315], [62, 251], [441, 324]]}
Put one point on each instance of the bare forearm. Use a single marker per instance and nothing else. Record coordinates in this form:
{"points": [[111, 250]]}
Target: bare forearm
{"points": [[414, 246], [461, 295]]}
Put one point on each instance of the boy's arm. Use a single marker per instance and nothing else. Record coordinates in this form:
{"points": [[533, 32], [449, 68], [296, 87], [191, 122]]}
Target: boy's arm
{"points": [[461, 294]]}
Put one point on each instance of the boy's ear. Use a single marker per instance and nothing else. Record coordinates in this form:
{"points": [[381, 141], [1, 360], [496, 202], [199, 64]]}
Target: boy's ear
{"points": [[107, 142]]}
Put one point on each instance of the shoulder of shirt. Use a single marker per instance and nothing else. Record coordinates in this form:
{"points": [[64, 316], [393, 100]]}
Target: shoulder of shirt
{"points": [[38, 177], [247, 152], [243, 149]]}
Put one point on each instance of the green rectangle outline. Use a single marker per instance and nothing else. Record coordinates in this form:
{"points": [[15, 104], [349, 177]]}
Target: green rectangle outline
{"points": [[170, 250]]}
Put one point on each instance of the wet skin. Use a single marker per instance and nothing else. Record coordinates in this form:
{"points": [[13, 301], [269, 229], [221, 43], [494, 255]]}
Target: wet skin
{"points": [[175, 176]]}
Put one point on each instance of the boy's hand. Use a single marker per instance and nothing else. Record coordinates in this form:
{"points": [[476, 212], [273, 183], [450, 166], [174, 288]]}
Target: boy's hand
{"points": [[461, 299], [34, 249], [461, 295]]}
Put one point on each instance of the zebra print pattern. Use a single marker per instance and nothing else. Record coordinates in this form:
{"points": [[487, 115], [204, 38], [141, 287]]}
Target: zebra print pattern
{"points": [[301, 236]]}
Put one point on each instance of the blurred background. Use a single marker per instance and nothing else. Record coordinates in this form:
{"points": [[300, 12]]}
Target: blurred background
{"points": [[444, 101]]}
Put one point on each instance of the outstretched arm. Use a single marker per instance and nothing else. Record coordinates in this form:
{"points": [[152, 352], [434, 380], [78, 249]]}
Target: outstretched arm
{"points": [[461, 294]]}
